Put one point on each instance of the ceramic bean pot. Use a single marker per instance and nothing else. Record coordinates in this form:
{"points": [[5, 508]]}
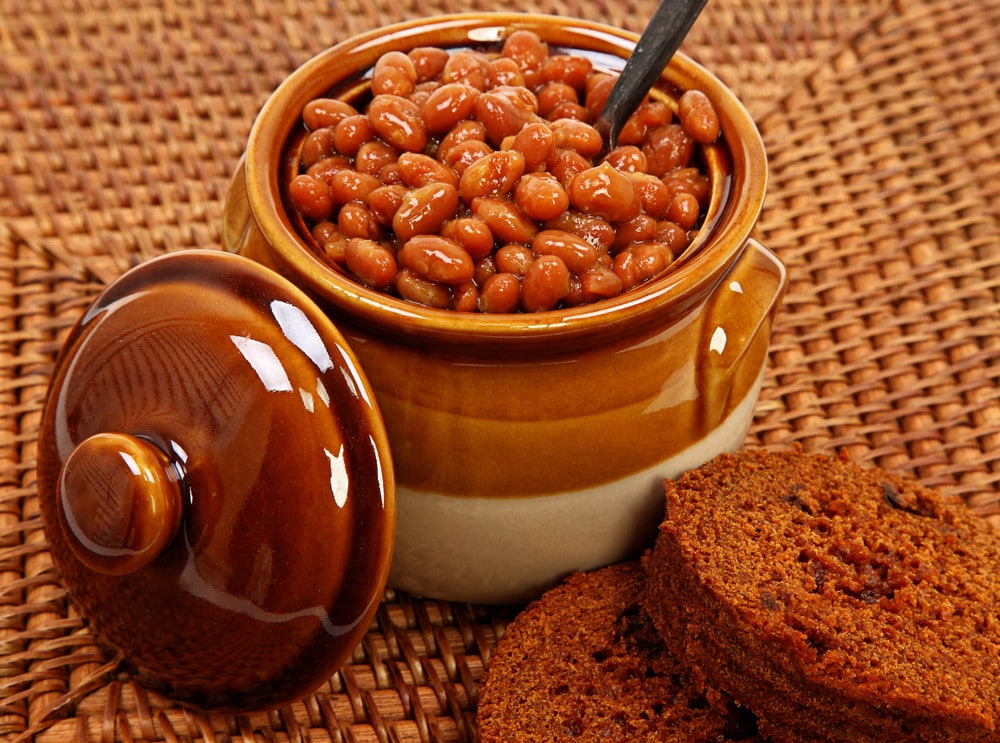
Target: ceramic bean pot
{"points": [[215, 482], [527, 446]]}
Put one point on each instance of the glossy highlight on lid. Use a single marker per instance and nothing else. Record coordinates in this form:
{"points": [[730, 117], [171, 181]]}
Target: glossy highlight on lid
{"points": [[201, 382]]}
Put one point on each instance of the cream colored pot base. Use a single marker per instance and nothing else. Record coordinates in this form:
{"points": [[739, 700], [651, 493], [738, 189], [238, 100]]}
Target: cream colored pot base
{"points": [[524, 545]]}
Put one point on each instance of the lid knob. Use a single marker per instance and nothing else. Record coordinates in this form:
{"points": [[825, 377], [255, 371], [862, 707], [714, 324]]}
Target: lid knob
{"points": [[121, 500]]}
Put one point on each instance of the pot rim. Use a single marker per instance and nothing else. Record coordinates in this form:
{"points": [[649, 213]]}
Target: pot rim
{"points": [[682, 285]]}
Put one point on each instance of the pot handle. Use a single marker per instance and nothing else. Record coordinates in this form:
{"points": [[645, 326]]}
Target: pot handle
{"points": [[736, 330]]}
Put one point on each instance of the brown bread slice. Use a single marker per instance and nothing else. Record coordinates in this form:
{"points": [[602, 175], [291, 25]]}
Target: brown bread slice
{"points": [[837, 602], [584, 664]]}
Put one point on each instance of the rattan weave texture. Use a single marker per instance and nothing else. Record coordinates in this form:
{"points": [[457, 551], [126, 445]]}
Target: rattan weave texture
{"points": [[121, 124]]}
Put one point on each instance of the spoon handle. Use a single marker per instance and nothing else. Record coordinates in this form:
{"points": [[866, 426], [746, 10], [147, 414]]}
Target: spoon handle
{"points": [[667, 28]]}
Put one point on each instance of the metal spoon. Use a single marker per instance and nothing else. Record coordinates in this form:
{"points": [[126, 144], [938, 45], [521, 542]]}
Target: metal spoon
{"points": [[667, 28]]}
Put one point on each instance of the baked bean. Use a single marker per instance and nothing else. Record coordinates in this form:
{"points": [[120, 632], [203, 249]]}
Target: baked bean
{"points": [[372, 263], [698, 116], [477, 182], [325, 169], [653, 194], [424, 210], [448, 105], [350, 133], [417, 169], [565, 164], [501, 293], [568, 69], [642, 228], [672, 235], [578, 255], [553, 94], [503, 71], [604, 192], [465, 297], [513, 258], [540, 196], [390, 175], [463, 131], [545, 282], [419, 290], [311, 196], [598, 283], [688, 180], [394, 74], [464, 154], [428, 61], [626, 269], [653, 258], [596, 93], [323, 231], [422, 92], [529, 51], [317, 145], [465, 67], [569, 110], [335, 249], [371, 157], [579, 136], [598, 231], [397, 121], [471, 233], [504, 110], [350, 185], [355, 220], [385, 201], [485, 267], [684, 210], [495, 174], [648, 116], [574, 297], [324, 112], [641, 262], [536, 142], [627, 158], [437, 259], [504, 219], [667, 148]]}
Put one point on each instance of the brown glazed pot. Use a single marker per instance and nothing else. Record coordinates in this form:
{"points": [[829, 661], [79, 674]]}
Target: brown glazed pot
{"points": [[216, 483], [527, 446]]}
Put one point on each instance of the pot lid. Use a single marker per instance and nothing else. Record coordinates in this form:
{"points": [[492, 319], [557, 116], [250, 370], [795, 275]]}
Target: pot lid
{"points": [[216, 483]]}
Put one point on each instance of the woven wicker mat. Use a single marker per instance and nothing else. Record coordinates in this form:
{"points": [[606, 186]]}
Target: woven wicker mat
{"points": [[121, 123]]}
